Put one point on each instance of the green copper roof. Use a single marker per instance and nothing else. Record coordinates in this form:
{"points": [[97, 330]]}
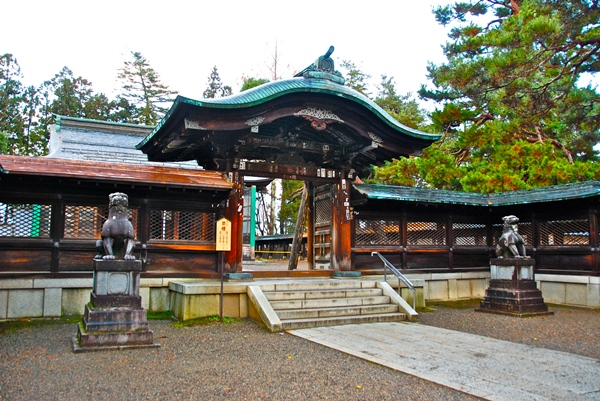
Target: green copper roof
{"points": [[273, 90], [548, 194]]}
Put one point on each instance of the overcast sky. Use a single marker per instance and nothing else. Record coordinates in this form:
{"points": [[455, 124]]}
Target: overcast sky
{"points": [[183, 40]]}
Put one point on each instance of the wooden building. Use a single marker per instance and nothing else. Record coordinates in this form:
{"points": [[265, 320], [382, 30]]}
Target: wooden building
{"points": [[422, 230], [187, 172], [52, 208]]}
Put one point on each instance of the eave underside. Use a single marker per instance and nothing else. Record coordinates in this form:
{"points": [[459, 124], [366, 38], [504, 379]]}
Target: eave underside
{"points": [[310, 130]]}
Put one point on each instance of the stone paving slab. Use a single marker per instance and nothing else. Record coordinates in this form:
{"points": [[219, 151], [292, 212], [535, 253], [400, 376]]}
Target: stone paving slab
{"points": [[480, 366]]}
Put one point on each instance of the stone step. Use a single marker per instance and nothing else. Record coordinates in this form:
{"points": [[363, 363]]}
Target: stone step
{"points": [[293, 305], [334, 321], [287, 314], [320, 294], [319, 285], [329, 302]]}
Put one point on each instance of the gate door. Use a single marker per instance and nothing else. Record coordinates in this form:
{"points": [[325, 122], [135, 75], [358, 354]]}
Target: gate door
{"points": [[322, 225]]}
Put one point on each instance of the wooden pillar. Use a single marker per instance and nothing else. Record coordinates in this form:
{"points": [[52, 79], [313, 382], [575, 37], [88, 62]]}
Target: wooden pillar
{"points": [[341, 227], [310, 227], [234, 212], [535, 241], [57, 230], [594, 242], [404, 239], [489, 230], [450, 242], [143, 231]]}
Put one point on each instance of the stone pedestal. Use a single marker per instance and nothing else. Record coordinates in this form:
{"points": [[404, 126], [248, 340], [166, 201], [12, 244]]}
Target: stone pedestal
{"points": [[512, 289], [114, 318]]}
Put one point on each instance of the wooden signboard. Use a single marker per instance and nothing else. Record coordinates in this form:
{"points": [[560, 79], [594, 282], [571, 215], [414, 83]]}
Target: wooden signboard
{"points": [[223, 235]]}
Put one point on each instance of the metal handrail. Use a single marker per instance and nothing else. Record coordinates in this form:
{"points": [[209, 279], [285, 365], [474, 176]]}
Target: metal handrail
{"points": [[401, 277]]}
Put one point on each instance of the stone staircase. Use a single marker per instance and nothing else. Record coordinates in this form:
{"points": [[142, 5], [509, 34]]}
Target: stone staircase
{"points": [[296, 305]]}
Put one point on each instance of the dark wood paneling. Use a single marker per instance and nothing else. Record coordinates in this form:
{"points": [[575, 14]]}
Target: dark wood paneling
{"points": [[25, 260], [471, 258], [562, 261], [181, 262], [428, 259], [368, 262], [72, 260]]}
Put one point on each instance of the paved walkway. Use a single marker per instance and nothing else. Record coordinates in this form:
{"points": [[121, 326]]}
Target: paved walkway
{"points": [[480, 366]]}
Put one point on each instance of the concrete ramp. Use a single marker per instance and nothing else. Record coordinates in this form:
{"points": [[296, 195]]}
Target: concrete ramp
{"points": [[481, 366]]}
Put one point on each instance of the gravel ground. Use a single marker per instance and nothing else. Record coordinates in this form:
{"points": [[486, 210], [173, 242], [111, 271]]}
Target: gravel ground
{"points": [[229, 361], [242, 361], [573, 330]]}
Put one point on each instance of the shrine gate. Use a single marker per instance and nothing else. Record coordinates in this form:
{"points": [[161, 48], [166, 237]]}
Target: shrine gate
{"points": [[310, 128]]}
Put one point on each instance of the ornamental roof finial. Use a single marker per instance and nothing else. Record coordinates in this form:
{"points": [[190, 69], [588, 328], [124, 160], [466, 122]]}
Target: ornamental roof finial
{"points": [[323, 68]]}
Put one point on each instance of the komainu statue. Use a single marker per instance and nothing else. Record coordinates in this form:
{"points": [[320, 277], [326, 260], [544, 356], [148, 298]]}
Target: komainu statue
{"points": [[117, 232], [511, 243]]}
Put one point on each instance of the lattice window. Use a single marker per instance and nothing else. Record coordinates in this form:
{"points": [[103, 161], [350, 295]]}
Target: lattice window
{"points": [[377, 232], [323, 211], [178, 225], [565, 232], [426, 233], [85, 222], [524, 228], [469, 234], [25, 220]]}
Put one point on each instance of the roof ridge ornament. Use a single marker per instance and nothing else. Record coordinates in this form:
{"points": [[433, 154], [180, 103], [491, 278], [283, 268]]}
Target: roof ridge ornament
{"points": [[323, 68]]}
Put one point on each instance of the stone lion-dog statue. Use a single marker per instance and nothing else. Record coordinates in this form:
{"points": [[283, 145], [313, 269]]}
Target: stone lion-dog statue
{"points": [[511, 244], [117, 231]]}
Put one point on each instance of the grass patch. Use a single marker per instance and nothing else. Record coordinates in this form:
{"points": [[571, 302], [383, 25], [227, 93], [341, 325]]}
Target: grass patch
{"points": [[456, 304], [167, 315], [13, 325], [203, 321]]}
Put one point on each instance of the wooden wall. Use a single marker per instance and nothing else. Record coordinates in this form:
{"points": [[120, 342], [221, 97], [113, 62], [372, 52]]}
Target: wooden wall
{"points": [[63, 241], [561, 236]]}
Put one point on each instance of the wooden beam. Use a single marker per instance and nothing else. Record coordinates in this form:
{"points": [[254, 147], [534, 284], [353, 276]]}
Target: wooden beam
{"points": [[306, 173], [255, 141]]}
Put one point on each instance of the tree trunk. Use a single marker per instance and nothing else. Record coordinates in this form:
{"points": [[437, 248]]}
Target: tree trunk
{"points": [[299, 231]]}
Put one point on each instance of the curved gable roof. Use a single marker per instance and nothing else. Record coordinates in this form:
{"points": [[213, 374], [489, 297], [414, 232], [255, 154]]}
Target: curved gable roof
{"points": [[303, 121], [273, 90]]}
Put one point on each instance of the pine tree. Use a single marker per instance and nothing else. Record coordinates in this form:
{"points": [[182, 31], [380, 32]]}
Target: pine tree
{"points": [[290, 202], [35, 130], [355, 78], [11, 99], [215, 87], [67, 94], [143, 89], [511, 110], [404, 108], [250, 83]]}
